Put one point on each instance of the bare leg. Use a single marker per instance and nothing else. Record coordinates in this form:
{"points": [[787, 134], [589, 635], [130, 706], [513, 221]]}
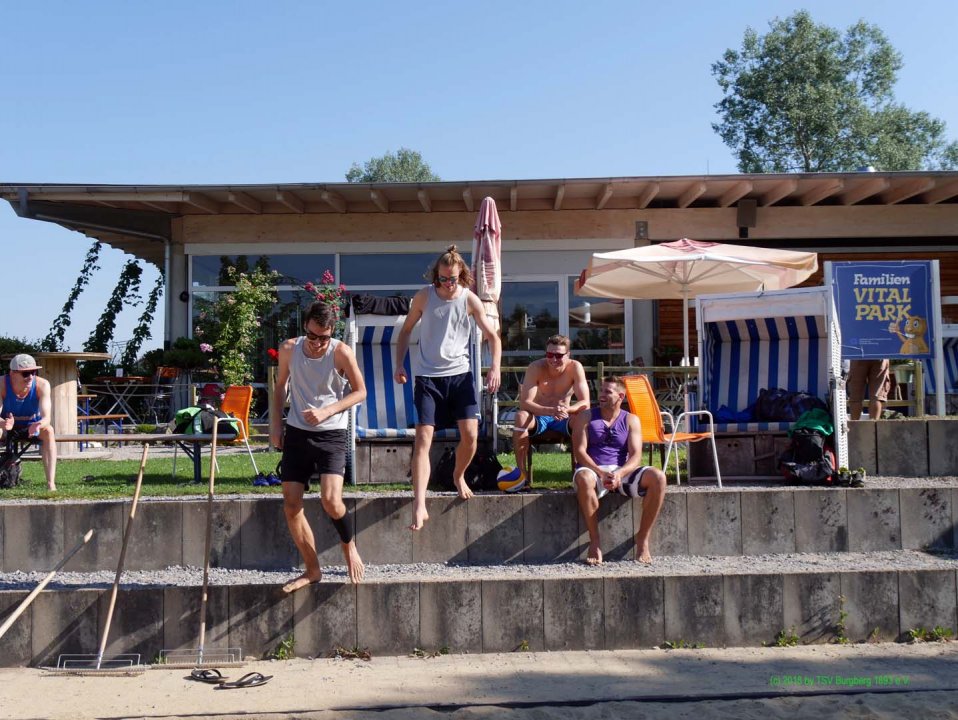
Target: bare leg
{"points": [[49, 454], [520, 440], [420, 474], [653, 482], [465, 451], [874, 409], [302, 535], [332, 499], [589, 507]]}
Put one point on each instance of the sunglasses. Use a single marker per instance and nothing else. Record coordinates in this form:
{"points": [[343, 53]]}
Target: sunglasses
{"points": [[317, 338], [450, 279], [555, 355], [27, 373]]}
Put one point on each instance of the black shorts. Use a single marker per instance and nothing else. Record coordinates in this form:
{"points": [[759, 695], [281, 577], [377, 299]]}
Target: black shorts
{"points": [[442, 401], [309, 454]]}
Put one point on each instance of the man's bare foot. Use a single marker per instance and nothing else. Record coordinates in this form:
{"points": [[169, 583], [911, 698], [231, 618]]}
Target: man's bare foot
{"points": [[419, 518], [464, 492], [300, 582], [51, 488], [354, 563], [595, 555], [643, 555]]}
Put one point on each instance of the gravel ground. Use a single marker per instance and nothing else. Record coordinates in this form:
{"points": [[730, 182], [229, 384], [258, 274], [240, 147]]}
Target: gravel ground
{"points": [[662, 566]]}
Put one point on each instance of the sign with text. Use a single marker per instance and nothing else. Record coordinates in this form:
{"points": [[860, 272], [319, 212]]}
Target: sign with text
{"points": [[884, 308]]}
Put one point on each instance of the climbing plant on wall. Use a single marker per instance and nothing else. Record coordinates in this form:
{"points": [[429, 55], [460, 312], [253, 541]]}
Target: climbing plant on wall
{"points": [[142, 330], [126, 291], [54, 339]]}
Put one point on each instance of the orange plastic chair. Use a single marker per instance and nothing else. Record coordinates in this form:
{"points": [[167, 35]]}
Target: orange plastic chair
{"points": [[236, 402], [643, 403]]}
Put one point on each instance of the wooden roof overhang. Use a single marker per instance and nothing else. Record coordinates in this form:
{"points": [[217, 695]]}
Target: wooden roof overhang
{"points": [[138, 218]]}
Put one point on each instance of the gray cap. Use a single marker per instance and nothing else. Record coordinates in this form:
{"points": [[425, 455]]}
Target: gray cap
{"points": [[23, 362]]}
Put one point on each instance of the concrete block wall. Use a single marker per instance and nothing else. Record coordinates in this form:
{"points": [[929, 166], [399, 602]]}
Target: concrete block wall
{"points": [[495, 615], [489, 529]]}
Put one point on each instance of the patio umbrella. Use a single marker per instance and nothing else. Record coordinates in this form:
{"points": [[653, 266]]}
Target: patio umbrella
{"points": [[684, 269], [487, 259]]}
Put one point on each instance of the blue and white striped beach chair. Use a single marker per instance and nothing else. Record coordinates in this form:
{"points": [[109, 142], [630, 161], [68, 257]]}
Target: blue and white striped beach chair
{"points": [[389, 413], [784, 339], [949, 344]]}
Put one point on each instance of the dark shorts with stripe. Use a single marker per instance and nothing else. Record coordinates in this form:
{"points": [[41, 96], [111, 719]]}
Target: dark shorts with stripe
{"points": [[443, 401], [309, 454]]}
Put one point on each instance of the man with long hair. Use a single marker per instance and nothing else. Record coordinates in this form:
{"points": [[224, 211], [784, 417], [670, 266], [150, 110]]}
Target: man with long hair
{"points": [[445, 387]]}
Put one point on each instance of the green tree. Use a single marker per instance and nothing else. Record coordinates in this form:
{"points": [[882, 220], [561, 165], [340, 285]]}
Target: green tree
{"points": [[405, 166], [806, 98]]}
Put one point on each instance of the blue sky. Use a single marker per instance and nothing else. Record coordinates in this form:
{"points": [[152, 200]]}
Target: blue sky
{"points": [[244, 92]]}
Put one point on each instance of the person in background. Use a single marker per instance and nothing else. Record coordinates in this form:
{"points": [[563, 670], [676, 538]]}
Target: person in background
{"points": [[26, 411], [876, 376]]}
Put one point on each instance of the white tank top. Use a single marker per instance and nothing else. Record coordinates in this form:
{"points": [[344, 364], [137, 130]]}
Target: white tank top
{"points": [[315, 383], [444, 333]]}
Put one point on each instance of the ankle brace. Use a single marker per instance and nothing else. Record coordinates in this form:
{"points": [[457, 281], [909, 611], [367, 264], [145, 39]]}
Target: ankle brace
{"points": [[344, 526]]}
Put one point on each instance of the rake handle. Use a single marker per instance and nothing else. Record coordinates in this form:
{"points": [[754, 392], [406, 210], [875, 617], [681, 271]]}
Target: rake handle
{"points": [[119, 565], [209, 542], [25, 603]]}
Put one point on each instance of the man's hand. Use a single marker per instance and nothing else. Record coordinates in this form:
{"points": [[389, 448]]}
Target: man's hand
{"points": [[276, 438], [561, 410], [400, 376], [314, 416], [8, 422], [611, 480], [493, 380], [33, 429]]}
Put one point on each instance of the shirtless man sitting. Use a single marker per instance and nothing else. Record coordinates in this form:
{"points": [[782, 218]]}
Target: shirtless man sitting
{"points": [[545, 403]]}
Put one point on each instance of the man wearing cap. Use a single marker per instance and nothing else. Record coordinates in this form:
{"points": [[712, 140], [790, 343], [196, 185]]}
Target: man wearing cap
{"points": [[26, 408]]}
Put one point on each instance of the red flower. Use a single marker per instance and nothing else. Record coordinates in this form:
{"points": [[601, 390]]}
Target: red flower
{"points": [[273, 354]]}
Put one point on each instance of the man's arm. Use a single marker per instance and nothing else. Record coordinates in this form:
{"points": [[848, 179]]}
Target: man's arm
{"points": [[579, 425], [635, 447], [580, 389], [43, 394], [493, 377], [279, 394], [529, 390], [402, 342]]}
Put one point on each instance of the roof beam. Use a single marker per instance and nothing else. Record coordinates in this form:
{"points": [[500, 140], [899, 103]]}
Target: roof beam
{"points": [[467, 198], [291, 200], [334, 200], [692, 193], [157, 206], [779, 192], [942, 192], [202, 202], [424, 200], [647, 195], [864, 190], [735, 193], [514, 198], [907, 190], [820, 191], [603, 197], [379, 200], [560, 196], [132, 196], [247, 202]]}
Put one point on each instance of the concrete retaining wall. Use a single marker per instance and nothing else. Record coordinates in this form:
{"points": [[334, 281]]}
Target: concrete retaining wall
{"points": [[489, 529], [602, 612]]}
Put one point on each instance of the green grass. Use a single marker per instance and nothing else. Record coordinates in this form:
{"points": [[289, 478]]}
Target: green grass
{"points": [[105, 479]]}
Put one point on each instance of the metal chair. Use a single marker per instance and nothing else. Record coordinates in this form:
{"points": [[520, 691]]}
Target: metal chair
{"points": [[642, 403]]}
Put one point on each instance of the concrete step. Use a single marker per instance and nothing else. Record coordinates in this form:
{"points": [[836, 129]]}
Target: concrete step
{"points": [[250, 531], [732, 601]]}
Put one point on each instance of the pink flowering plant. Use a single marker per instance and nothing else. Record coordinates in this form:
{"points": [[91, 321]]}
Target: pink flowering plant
{"points": [[329, 292]]}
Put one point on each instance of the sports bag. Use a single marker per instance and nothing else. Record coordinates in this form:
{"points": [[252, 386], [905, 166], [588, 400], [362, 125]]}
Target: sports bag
{"points": [[481, 474], [808, 459], [198, 420]]}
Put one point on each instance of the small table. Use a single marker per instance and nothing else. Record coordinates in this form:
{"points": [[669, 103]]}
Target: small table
{"points": [[60, 370], [120, 390], [191, 444]]}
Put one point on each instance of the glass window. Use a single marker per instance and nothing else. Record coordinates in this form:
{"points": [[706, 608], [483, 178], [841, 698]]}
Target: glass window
{"points": [[293, 269], [596, 328], [390, 269]]}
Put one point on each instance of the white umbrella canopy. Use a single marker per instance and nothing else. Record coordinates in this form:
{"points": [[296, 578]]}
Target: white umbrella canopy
{"points": [[487, 258], [684, 269]]}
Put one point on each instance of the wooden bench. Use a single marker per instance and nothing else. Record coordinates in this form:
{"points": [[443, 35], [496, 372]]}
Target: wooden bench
{"points": [[115, 420], [192, 444]]}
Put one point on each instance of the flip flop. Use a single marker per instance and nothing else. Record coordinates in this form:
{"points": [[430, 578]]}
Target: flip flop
{"points": [[211, 676], [252, 679]]}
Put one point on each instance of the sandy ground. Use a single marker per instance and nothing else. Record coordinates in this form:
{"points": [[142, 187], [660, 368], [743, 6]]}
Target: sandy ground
{"points": [[861, 681]]}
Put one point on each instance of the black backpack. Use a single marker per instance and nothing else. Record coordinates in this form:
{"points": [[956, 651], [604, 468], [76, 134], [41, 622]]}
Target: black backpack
{"points": [[10, 470], [481, 474], [808, 460], [198, 420]]}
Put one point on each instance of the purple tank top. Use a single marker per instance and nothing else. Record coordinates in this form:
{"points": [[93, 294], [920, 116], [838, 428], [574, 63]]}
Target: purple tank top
{"points": [[608, 445]]}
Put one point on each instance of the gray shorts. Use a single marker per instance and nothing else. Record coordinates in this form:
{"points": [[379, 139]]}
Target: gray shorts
{"points": [[629, 487]]}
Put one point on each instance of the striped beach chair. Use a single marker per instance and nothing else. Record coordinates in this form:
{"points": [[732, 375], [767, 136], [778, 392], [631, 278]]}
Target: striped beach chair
{"points": [[785, 339], [950, 351], [389, 414]]}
